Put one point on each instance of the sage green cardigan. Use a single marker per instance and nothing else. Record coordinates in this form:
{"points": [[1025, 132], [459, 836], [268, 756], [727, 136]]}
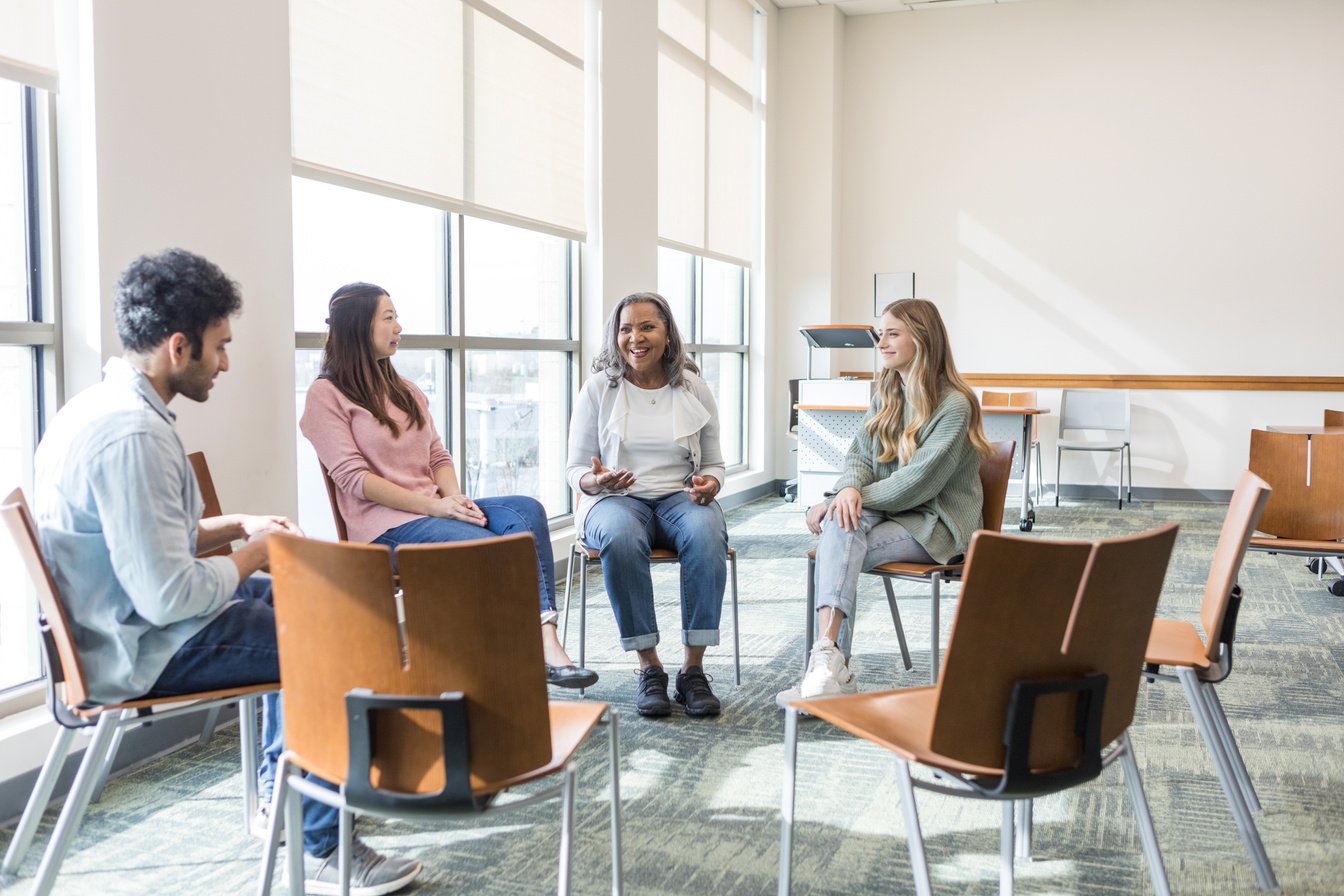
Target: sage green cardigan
{"points": [[936, 496]]}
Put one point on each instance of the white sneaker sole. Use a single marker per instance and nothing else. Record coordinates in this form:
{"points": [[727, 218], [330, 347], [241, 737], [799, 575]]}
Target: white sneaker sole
{"points": [[324, 888]]}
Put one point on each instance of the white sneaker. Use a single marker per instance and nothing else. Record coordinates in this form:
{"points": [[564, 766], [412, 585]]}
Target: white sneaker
{"points": [[261, 823], [827, 672], [371, 872]]}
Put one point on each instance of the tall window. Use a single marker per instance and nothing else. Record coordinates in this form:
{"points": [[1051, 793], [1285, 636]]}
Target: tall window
{"points": [[27, 338], [709, 302], [487, 311]]}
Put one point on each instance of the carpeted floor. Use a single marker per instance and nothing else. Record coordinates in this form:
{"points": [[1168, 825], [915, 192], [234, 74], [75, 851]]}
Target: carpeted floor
{"points": [[701, 797]]}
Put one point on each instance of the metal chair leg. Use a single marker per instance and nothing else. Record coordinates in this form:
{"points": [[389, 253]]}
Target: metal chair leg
{"points": [[919, 861], [935, 601], [583, 612], [737, 629], [105, 770], [569, 585], [1147, 832], [76, 802], [617, 866], [786, 804], [1006, 849], [37, 801], [247, 746], [1024, 822], [811, 610], [567, 828], [1241, 813], [896, 621], [1233, 751]]}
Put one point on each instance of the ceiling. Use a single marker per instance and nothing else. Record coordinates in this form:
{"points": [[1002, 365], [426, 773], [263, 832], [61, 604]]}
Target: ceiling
{"points": [[874, 7]]}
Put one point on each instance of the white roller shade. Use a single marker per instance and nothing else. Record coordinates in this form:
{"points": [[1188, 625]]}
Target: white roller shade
{"points": [[28, 42], [479, 105], [706, 126]]}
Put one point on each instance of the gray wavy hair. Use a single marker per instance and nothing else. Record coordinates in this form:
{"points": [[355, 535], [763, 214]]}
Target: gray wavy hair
{"points": [[675, 359]]}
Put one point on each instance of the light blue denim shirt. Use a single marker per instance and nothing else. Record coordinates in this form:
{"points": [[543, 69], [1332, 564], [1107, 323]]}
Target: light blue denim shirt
{"points": [[117, 504]]}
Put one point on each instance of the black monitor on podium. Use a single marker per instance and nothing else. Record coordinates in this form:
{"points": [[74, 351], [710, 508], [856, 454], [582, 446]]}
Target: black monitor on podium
{"points": [[837, 336]]}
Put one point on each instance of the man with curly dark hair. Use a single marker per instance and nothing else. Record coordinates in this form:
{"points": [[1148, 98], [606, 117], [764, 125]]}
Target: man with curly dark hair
{"points": [[119, 512]]}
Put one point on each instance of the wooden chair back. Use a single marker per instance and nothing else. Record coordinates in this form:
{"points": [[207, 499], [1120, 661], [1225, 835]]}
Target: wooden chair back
{"points": [[1243, 515], [471, 626], [1334, 418], [65, 665], [1113, 616], [206, 483], [995, 472], [1024, 399], [1306, 473], [335, 508], [1016, 597]]}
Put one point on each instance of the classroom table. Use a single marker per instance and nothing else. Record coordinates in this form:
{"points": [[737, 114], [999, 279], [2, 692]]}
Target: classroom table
{"points": [[1001, 424]]}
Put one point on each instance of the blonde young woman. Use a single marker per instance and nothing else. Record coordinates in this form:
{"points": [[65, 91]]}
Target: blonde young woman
{"points": [[910, 490]]}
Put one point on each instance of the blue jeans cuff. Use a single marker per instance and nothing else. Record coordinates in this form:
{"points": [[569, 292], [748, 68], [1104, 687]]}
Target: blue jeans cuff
{"points": [[705, 637], [640, 642]]}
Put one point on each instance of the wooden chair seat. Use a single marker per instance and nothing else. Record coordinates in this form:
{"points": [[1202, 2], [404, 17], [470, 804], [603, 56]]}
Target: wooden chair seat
{"points": [[571, 723], [1175, 642], [1308, 547]]}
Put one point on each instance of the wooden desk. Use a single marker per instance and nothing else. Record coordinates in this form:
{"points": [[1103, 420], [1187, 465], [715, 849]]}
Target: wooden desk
{"points": [[1309, 430], [1002, 424]]}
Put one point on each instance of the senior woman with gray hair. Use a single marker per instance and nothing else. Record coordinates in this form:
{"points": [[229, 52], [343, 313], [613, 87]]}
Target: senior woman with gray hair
{"points": [[644, 452]]}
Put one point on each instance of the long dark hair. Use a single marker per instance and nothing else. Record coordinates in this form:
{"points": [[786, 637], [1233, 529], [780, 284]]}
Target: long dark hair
{"points": [[675, 359], [347, 357]]}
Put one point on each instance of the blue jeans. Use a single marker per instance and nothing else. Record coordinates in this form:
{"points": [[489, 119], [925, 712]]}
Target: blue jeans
{"points": [[842, 555], [238, 648], [503, 516], [623, 529]]}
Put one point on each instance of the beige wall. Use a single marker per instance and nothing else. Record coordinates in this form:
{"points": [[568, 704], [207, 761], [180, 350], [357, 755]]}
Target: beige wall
{"points": [[1088, 186]]}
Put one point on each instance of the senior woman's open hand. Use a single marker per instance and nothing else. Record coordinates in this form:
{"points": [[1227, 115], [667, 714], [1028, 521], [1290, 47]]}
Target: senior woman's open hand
{"points": [[599, 478]]}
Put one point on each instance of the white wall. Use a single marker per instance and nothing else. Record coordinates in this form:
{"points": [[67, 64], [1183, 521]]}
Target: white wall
{"points": [[1086, 186], [174, 124]]}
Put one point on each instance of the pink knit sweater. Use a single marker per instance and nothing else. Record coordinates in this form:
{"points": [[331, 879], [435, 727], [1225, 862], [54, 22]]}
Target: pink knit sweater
{"points": [[351, 443]]}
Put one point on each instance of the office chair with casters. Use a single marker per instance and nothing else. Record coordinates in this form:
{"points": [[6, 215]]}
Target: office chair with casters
{"points": [[431, 721], [1097, 409], [994, 473], [68, 700], [1039, 680], [1199, 664], [1305, 514], [584, 557], [992, 399]]}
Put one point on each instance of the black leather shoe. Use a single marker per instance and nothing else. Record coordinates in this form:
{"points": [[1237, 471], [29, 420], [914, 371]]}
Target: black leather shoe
{"points": [[570, 676], [651, 700], [693, 693]]}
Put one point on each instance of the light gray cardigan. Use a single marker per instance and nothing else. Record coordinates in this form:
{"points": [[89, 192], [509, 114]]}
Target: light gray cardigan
{"points": [[597, 429]]}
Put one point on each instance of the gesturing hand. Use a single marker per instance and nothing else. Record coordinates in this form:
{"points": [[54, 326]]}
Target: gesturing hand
{"points": [[702, 489], [599, 478]]}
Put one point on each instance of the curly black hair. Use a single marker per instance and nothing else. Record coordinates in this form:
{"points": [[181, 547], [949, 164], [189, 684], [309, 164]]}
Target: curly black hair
{"points": [[174, 291]]}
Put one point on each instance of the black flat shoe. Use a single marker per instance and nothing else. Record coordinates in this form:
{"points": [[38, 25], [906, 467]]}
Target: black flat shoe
{"points": [[570, 676]]}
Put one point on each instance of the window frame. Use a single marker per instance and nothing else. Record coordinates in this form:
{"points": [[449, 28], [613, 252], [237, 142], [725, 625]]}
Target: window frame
{"points": [[40, 333], [455, 343]]}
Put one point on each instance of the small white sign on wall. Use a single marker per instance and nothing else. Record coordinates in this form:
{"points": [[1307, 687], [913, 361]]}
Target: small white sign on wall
{"points": [[887, 288]]}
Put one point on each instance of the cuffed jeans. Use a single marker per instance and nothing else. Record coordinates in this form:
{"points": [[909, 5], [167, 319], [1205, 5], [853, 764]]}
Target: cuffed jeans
{"points": [[238, 648], [504, 515], [842, 555], [623, 529]]}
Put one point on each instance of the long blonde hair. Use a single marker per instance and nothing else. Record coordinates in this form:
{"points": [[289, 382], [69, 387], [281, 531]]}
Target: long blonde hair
{"points": [[932, 371]]}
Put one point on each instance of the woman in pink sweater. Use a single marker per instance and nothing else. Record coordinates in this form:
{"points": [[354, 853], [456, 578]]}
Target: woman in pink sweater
{"points": [[395, 483]]}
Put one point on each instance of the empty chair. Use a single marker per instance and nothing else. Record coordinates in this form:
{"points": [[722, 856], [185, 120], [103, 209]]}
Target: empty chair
{"points": [[994, 473], [992, 399], [1334, 418], [1097, 409], [1305, 514], [1200, 664], [1039, 680], [68, 699], [432, 719]]}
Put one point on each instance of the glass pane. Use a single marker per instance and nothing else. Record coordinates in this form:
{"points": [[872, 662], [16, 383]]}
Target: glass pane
{"points": [[676, 283], [515, 281], [341, 236], [517, 424], [724, 303], [426, 368], [19, 660], [726, 375], [13, 237]]}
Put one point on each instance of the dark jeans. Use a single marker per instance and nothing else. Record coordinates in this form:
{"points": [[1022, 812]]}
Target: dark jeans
{"points": [[504, 515], [238, 648]]}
